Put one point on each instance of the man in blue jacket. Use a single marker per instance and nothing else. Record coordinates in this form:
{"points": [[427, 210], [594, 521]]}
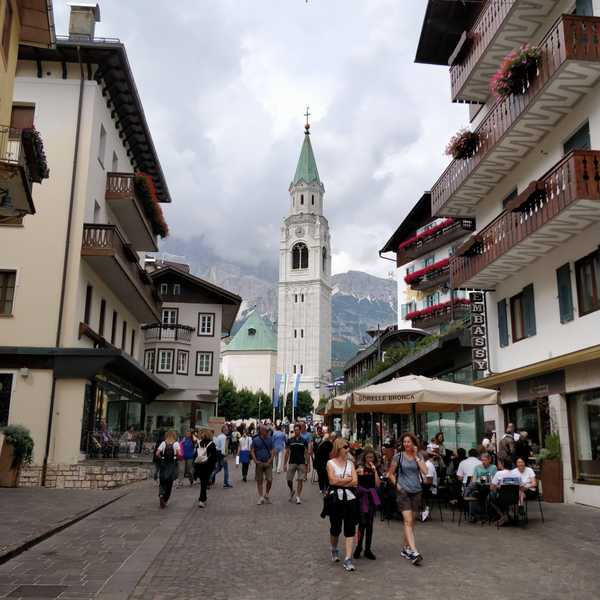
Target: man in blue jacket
{"points": [[188, 444]]}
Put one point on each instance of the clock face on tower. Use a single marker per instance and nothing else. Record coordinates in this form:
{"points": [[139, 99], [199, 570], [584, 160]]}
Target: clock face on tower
{"points": [[299, 231]]}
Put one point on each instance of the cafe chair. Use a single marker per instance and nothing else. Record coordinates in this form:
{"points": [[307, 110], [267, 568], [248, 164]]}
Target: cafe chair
{"points": [[507, 499], [537, 497]]}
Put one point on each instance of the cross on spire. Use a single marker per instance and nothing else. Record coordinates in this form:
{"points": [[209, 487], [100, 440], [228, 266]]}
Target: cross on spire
{"points": [[307, 114]]}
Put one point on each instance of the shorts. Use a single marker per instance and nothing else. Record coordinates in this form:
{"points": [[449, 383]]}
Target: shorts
{"points": [[293, 469], [264, 471], [343, 512], [408, 501]]}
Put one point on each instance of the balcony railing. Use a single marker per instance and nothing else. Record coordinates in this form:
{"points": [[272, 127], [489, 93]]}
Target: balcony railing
{"points": [[571, 38], [116, 261], [433, 238], [157, 332], [440, 313], [576, 177], [431, 276]]}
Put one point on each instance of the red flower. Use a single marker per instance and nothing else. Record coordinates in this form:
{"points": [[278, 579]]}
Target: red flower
{"points": [[435, 309], [426, 233], [410, 277]]}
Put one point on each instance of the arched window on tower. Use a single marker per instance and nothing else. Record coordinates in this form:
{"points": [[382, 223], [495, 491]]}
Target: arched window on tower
{"points": [[300, 256], [324, 259], [312, 198], [301, 198]]}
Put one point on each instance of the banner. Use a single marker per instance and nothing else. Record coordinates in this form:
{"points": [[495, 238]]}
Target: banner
{"points": [[285, 390], [296, 386], [276, 390], [479, 332]]}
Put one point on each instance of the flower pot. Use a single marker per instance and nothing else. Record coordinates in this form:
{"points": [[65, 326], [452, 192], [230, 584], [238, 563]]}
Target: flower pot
{"points": [[9, 477], [552, 480]]}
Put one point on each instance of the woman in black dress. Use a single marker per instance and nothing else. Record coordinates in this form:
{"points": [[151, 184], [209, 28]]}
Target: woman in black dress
{"points": [[206, 459], [368, 500]]}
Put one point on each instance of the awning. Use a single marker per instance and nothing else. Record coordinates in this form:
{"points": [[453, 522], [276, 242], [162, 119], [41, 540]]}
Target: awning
{"points": [[337, 405], [427, 395]]}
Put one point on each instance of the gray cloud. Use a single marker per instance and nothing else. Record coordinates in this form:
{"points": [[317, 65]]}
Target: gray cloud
{"points": [[224, 84]]}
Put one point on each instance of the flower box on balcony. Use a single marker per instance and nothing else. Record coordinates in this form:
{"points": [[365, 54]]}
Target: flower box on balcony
{"points": [[463, 145], [426, 234], [517, 71], [35, 156], [428, 270], [146, 193], [437, 309]]}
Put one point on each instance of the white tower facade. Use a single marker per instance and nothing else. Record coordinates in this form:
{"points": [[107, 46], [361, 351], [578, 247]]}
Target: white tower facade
{"points": [[304, 313]]}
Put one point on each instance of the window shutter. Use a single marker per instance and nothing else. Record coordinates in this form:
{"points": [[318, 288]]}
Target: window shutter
{"points": [[565, 293], [584, 8], [529, 311], [502, 323]]}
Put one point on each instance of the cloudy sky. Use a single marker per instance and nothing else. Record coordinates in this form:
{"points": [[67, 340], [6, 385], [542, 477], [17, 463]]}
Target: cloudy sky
{"points": [[225, 84]]}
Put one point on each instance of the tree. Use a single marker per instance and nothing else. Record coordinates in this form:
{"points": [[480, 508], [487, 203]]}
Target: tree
{"points": [[241, 404], [304, 408], [228, 399]]}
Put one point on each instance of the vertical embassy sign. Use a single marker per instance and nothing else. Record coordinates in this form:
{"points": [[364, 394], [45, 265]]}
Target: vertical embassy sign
{"points": [[479, 343]]}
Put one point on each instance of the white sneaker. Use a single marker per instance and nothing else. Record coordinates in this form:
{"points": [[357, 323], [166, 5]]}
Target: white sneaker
{"points": [[425, 514], [261, 500], [201, 504], [298, 501]]}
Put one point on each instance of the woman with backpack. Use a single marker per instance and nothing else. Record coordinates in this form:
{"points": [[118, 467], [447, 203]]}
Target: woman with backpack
{"points": [[407, 472], [168, 453], [204, 464]]}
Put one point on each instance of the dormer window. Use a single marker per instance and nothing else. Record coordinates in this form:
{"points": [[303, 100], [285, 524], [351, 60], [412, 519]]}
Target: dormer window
{"points": [[251, 331]]}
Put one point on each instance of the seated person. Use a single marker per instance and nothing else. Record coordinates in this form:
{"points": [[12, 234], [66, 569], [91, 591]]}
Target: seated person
{"points": [[484, 473], [455, 461], [430, 483], [466, 468], [504, 474], [527, 478]]}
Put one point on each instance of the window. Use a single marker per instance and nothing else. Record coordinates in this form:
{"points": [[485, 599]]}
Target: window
{"points": [[429, 261], [296, 298], [312, 199], [164, 289], [132, 351], [165, 361], [113, 329], [410, 269], [102, 146], [294, 369], [300, 256], [124, 335], [97, 212], [7, 291], [522, 313], [176, 289], [169, 316], [580, 140], [509, 197], [183, 359], [6, 382], [302, 199], [6, 29], [584, 410], [206, 324], [587, 271], [565, 293], [115, 162], [88, 304], [295, 333], [301, 297], [407, 308], [432, 299], [102, 316], [22, 116], [502, 324], [584, 8], [204, 363], [324, 259], [149, 360], [301, 369], [302, 333]]}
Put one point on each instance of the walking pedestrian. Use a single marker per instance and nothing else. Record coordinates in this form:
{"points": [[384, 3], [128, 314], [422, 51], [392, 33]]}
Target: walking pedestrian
{"points": [[155, 459], [368, 500], [263, 455], [341, 501], [406, 472], [244, 447], [168, 453], [296, 463], [188, 449], [321, 456], [279, 443], [204, 463], [221, 464]]}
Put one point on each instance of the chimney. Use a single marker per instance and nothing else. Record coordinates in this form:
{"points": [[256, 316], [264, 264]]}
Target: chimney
{"points": [[83, 19]]}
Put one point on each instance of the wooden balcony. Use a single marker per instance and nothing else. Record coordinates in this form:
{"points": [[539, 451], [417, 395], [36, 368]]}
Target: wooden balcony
{"points": [[121, 197], [550, 211], [570, 67], [431, 240], [430, 277], [159, 332], [502, 26], [446, 313], [114, 260]]}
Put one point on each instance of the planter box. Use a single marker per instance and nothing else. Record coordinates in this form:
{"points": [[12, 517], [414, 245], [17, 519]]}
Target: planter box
{"points": [[8, 476], [552, 481]]}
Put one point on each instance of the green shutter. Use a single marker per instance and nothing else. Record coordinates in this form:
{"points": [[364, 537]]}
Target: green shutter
{"points": [[584, 8], [565, 293], [529, 311], [502, 323]]}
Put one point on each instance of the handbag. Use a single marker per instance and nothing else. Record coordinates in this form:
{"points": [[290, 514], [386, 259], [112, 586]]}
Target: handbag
{"points": [[202, 454]]}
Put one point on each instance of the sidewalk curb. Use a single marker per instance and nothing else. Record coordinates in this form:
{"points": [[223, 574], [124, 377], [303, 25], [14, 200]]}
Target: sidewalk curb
{"points": [[10, 554]]}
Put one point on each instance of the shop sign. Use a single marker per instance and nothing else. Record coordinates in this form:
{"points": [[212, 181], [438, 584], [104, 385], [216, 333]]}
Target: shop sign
{"points": [[542, 386], [479, 341]]}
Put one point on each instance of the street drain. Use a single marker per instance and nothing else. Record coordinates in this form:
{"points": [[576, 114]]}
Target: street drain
{"points": [[38, 591]]}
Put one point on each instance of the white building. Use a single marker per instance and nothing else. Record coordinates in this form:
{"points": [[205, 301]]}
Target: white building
{"points": [[532, 186], [304, 315], [183, 349], [250, 358]]}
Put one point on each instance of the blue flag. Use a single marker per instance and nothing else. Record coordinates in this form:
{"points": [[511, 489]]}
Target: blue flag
{"points": [[296, 386], [276, 390]]}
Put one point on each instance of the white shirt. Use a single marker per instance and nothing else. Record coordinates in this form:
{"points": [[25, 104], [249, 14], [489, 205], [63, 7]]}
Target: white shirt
{"points": [[466, 468], [343, 471], [245, 443], [432, 474], [220, 442], [526, 477], [500, 475]]}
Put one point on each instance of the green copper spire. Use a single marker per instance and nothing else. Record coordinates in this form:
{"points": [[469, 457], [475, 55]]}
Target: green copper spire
{"points": [[306, 171], [254, 334]]}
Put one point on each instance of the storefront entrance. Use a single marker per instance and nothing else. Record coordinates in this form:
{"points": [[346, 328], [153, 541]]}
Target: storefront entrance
{"points": [[533, 416]]}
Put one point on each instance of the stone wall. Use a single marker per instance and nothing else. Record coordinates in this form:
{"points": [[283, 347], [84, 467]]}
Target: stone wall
{"points": [[100, 477]]}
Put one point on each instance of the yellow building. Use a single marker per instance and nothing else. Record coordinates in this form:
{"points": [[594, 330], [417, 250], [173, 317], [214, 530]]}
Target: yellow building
{"points": [[22, 159]]}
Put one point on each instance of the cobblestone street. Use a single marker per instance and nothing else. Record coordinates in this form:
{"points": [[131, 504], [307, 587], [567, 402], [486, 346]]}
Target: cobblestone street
{"points": [[235, 549]]}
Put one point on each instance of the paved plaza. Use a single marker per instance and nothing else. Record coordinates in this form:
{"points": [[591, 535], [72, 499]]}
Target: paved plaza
{"points": [[235, 549]]}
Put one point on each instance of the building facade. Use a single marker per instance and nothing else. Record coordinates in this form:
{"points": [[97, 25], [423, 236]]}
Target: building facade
{"points": [[183, 349], [71, 357], [531, 184], [250, 358], [304, 307]]}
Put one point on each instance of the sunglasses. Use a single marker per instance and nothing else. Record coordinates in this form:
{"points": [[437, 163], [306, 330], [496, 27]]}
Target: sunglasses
{"points": [[345, 447]]}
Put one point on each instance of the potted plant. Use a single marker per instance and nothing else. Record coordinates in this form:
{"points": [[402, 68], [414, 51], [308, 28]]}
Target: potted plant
{"points": [[17, 450], [551, 469], [463, 144], [517, 71]]}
